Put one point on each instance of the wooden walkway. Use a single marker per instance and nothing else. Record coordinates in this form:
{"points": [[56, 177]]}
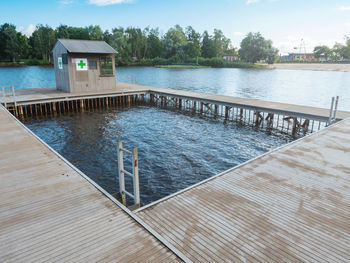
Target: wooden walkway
{"points": [[46, 95], [289, 205], [42, 95], [259, 105], [51, 212]]}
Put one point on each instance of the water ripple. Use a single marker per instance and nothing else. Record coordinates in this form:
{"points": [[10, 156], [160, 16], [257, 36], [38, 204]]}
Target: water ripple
{"points": [[176, 149]]}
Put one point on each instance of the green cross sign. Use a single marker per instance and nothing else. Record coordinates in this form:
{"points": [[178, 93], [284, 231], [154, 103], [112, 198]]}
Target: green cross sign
{"points": [[81, 64], [60, 66]]}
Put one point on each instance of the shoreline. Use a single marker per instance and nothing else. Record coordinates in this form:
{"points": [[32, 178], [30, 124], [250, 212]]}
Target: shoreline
{"points": [[285, 66], [312, 66]]}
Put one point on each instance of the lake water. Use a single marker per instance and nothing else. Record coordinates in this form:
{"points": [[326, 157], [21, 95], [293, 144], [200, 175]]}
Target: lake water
{"points": [[312, 88], [176, 149]]}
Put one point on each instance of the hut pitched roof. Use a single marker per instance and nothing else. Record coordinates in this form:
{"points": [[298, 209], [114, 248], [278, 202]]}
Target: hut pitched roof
{"points": [[87, 46]]}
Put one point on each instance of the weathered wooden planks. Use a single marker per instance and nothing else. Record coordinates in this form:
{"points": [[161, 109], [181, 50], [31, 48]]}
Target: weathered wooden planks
{"points": [[32, 96], [289, 205], [50, 212]]}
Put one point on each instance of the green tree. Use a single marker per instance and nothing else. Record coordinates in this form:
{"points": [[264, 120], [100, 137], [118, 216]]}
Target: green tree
{"points": [[208, 46], [137, 41], [24, 47], [95, 32], [78, 33], [107, 36], [255, 47], [174, 42], [154, 44], [216, 45], [62, 32], [219, 39], [322, 51], [119, 42], [9, 42], [192, 48], [337, 52], [42, 41], [192, 35], [346, 51], [271, 55]]}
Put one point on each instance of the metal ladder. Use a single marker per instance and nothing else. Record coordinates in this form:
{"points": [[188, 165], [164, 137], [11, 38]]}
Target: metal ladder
{"points": [[333, 111], [4, 90], [134, 175]]}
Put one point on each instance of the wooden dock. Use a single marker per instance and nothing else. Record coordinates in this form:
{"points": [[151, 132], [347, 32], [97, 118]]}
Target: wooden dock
{"points": [[289, 205], [52, 212], [293, 119]]}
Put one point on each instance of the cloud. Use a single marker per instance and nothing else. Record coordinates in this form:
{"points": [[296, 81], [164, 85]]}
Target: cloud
{"points": [[238, 34], [344, 8], [27, 31], [109, 2], [252, 1]]}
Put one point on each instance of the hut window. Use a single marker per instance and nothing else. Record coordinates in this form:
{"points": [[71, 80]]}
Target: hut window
{"points": [[106, 66], [64, 58], [92, 64]]}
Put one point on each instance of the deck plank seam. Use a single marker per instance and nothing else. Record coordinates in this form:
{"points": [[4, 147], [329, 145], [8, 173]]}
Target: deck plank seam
{"points": [[127, 211]]}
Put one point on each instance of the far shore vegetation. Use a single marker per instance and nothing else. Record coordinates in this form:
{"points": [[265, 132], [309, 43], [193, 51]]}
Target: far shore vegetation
{"points": [[177, 48]]}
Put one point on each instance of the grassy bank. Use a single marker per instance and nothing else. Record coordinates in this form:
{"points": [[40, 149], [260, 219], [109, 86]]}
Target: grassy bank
{"points": [[156, 62], [203, 62], [26, 62]]}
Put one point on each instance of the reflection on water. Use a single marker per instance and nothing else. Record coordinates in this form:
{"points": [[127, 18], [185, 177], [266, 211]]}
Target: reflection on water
{"points": [[27, 77], [312, 88], [176, 150]]}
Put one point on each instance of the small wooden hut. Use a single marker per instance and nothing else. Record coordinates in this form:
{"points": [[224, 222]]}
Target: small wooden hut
{"points": [[84, 65]]}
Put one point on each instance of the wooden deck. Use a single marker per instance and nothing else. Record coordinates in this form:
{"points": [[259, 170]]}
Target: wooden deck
{"points": [[289, 205], [45, 95], [41, 95], [260, 105], [51, 212]]}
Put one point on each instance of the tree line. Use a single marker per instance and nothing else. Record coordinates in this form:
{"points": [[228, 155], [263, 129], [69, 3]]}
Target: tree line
{"points": [[338, 52], [136, 45]]}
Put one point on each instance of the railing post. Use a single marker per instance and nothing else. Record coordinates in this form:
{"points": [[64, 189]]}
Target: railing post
{"points": [[3, 95], [121, 173], [14, 95], [135, 161], [335, 108], [330, 112]]}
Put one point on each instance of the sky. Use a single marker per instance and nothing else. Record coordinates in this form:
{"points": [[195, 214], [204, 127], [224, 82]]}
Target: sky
{"points": [[285, 22]]}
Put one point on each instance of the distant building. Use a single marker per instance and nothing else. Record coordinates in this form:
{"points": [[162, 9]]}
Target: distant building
{"points": [[303, 57], [230, 57], [307, 57], [84, 65]]}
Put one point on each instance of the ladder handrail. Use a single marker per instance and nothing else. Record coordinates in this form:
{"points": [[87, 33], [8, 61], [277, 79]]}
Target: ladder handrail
{"points": [[335, 107], [333, 111], [3, 95], [3, 91], [134, 175]]}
